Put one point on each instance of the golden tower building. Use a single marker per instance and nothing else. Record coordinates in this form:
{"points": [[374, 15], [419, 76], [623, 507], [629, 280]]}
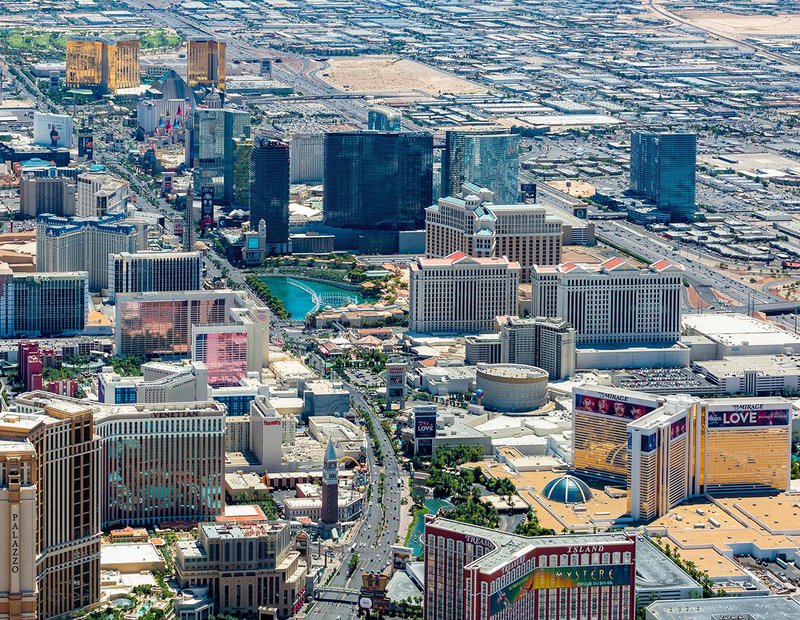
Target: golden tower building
{"points": [[123, 64], [85, 62], [102, 64], [206, 62]]}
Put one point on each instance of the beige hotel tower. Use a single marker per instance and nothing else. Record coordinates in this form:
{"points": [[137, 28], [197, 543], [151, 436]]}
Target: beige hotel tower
{"points": [[49, 512]]}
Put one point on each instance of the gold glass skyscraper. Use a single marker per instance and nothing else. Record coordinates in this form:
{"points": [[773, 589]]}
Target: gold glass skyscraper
{"points": [[206, 62], [667, 449], [600, 430], [102, 64]]}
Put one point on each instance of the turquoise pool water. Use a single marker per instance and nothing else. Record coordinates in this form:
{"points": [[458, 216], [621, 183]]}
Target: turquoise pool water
{"points": [[418, 526], [300, 302]]}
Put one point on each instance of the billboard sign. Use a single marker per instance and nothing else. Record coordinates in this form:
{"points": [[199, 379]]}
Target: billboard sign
{"points": [[747, 415], [677, 428], [207, 202], [53, 130], [649, 442], [529, 189], [424, 425], [395, 380], [85, 143], [615, 404], [557, 577]]}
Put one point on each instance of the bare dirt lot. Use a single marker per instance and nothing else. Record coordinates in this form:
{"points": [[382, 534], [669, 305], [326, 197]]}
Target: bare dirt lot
{"points": [[726, 23], [388, 74]]}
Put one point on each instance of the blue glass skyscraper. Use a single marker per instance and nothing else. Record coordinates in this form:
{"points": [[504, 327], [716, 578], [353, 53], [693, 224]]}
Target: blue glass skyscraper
{"points": [[663, 171], [377, 180], [490, 160]]}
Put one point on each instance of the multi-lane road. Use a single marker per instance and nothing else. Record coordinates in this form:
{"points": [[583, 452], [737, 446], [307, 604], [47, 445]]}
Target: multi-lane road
{"points": [[703, 277], [378, 529]]}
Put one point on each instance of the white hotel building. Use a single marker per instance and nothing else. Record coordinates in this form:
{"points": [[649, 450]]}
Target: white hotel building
{"points": [[613, 303], [461, 294]]}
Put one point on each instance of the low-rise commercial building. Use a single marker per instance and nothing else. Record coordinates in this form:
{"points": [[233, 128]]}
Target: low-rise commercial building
{"points": [[350, 505], [759, 375], [511, 388], [322, 397], [730, 334], [752, 608]]}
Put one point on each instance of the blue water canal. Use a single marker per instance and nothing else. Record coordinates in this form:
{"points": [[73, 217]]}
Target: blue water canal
{"points": [[418, 526]]}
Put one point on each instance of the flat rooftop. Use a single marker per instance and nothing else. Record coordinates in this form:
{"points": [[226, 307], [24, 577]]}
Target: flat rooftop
{"points": [[601, 511], [738, 330], [240, 530], [655, 570], [773, 365], [733, 608], [778, 514], [128, 553]]}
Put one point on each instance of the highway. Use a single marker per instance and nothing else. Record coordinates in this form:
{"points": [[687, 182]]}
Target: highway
{"points": [[303, 81], [652, 247], [377, 531], [656, 7]]}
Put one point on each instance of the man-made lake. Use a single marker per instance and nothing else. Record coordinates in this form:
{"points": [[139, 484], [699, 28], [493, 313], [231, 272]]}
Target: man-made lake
{"points": [[300, 301]]}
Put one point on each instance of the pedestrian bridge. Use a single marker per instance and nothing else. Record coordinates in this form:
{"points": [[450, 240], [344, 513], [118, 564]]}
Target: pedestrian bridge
{"points": [[334, 594]]}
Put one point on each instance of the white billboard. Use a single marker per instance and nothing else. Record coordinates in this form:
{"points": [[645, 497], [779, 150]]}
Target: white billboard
{"points": [[54, 130]]}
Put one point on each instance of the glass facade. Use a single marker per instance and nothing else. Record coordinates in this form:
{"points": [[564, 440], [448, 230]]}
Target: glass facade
{"points": [[601, 446], [47, 305], [378, 181], [242, 147], [161, 271], [746, 459], [211, 149], [163, 327], [205, 63], [269, 189], [101, 64], [236, 405], [489, 160], [84, 63], [663, 168], [163, 466], [124, 395], [224, 354]]}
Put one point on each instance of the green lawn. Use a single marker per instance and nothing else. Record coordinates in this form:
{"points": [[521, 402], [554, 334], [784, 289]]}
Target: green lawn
{"points": [[53, 43]]}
